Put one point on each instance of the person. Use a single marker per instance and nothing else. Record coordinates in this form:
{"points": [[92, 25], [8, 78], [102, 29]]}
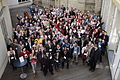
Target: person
{"points": [[26, 54], [93, 58], [65, 57], [48, 64], [55, 29], [99, 43], [71, 50], [38, 40], [84, 54], [90, 46], [49, 47], [27, 46], [40, 55], [32, 10], [105, 40], [76, 52], [11, 55], [33, 59], [66, 44], [57, 61], [58, 49]]}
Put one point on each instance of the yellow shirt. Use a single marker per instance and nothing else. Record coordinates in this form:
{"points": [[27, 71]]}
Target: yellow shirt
{"points": [[39, 41]]}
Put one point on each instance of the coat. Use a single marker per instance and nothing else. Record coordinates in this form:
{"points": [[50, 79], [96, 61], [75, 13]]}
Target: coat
{"points": [[94, 55]]}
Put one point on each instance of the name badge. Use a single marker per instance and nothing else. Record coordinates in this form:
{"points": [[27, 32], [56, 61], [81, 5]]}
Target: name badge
{"points": [[64, 57], [50, 57], [99, 46], [50, 49], [75, 52], [26, 55], [68, 48], [12, 57], [85, 54], [36, 50], [57, 61]]}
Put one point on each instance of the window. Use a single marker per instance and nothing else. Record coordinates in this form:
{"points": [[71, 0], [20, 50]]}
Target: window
{"points": [[22, 1]]}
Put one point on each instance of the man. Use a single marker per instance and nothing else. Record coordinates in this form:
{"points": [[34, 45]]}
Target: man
{"points": [[93, 58], [65, 57], [99, 43], [41, 55], [49, 47], [106, 38], [76, 52], [32, 10], [66, 44], [58, 49], [48, 64]]}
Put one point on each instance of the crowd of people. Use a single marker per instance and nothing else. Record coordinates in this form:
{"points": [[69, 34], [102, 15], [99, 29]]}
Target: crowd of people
{"points": [[54, 37]]}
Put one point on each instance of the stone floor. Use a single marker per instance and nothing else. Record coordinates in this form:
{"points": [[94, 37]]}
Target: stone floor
{"points": [[18, 11], [75, 72]]}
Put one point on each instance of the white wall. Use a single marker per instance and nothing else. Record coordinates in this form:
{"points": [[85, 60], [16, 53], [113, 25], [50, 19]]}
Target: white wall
{"points": [[6, 15], [3, 53], [80, 4], [12, 2], [15, 3], [3, 49], [116, 68], [111, 16]]}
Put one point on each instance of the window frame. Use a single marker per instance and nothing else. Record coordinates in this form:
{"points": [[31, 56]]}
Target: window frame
{"points": [[23, 1]]}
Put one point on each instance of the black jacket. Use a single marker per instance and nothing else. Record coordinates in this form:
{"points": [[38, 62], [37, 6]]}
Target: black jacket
{"points": [[94, 55]]}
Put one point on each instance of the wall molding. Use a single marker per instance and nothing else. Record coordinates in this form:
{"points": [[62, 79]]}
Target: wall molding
{"points": [[117, 3]]}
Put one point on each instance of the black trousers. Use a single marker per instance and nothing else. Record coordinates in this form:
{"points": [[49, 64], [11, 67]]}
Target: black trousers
{"points": [[11, 63], [46, 68], [65, 61], [57, 65], [40, 62], [92, 64], [28, 63]]}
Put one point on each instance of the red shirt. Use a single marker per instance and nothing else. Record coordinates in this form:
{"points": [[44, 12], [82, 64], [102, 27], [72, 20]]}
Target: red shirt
{"points": [[57, 26], [79, 20], [25, 52]]}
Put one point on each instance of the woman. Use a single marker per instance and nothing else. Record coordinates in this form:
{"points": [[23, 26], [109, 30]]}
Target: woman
{"points": [[33, 59], [84, 54], [26, 54], [11, 55], [40, 55]]}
